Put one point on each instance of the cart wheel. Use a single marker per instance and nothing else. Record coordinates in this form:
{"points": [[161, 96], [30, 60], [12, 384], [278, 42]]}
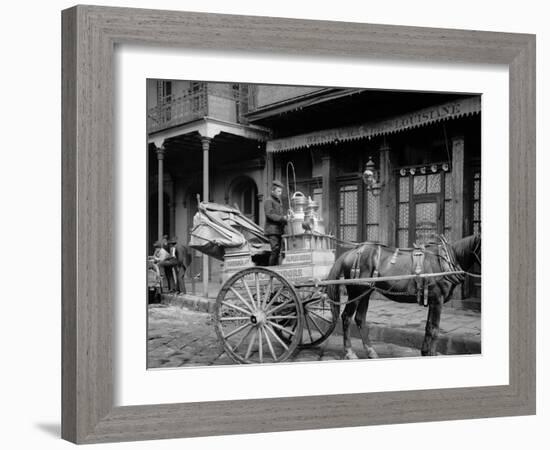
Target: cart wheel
{"points": [[258, 317], [320, 316]]}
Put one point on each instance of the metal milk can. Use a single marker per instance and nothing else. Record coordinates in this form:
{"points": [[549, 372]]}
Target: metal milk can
{"points": [[298, 201], [313, 218]]}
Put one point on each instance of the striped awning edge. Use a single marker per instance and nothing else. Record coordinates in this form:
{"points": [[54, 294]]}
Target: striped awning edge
{"points": [[425, 116]]}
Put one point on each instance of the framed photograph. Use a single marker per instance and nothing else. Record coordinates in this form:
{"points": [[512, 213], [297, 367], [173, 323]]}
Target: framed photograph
{"points": [[265, 229]]}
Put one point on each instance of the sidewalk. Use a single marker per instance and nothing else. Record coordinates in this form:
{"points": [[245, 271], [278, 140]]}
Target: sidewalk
{"points": [[390, 322]]}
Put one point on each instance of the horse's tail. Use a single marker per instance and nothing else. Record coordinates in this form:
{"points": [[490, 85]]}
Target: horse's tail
{"points": [[333, 290]]}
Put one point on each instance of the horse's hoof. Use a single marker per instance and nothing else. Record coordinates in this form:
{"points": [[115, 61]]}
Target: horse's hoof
{"points": [[350, 355], [371, 353]]}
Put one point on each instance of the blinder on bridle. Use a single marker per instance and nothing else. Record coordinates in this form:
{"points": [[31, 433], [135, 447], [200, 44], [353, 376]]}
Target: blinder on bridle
{"points": [[477, 250]]}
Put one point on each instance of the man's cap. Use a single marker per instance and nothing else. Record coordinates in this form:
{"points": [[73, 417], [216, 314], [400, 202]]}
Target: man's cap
{"points": [[173, 240], [277, 183], [157, 244]]}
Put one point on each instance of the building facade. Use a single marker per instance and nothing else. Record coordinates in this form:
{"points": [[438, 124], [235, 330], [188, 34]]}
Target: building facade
{"points": [[226, 142]]}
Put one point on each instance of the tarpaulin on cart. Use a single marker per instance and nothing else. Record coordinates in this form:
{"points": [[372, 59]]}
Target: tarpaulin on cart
{"points": [[219, 227]]}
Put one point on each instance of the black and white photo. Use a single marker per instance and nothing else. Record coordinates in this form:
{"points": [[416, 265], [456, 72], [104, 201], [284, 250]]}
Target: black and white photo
{"points": [[305, 223]]}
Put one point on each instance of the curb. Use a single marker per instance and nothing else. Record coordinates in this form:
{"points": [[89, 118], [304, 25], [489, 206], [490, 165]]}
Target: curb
{"points": [[193, 302], [447, 344]]}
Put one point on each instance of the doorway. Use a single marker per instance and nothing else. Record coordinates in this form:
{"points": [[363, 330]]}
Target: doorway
{"points": [[244, 195], [421, 201]]}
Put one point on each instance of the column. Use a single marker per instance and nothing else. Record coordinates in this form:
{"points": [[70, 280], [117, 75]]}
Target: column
{"points": [[260, 206], [330, 194], [269, 171], [457, 177], [160, 212], [388, 199], [205, 198]]}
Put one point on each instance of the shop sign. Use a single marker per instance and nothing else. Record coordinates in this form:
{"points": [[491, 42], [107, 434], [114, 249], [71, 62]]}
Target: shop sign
{"points": [[411, 120]]}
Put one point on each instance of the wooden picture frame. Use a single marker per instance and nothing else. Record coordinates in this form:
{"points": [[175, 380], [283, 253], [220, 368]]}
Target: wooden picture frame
{"points": [[89, 37]]}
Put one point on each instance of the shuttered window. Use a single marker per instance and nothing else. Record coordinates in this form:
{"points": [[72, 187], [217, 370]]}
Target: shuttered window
{"points": [[403, 212], [372, 217], [476, 216], [348, 212]]}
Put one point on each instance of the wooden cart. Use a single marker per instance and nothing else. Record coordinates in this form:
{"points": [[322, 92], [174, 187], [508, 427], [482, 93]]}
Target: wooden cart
{"points": [[264, 314]]}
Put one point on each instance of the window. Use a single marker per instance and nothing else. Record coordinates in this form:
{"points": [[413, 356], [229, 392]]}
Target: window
{"points": [[164, 100], [347, 212], [318, 197], [448, 206], [403, 212], [476, 215], [372, 215], [422, 193]]}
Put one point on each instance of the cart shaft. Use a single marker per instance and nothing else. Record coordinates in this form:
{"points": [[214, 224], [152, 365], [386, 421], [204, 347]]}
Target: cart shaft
{"points": [[362, 281]]}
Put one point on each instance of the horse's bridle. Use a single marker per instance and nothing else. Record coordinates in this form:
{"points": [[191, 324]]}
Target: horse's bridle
{"points": [[451, 261], [476, 249]]}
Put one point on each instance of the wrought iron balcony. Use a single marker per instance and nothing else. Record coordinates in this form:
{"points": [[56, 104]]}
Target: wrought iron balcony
{"points": [[223, 101]]}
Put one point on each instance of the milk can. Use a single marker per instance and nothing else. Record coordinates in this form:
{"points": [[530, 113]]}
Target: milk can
{"points": [[313, 218], [298, 201]]}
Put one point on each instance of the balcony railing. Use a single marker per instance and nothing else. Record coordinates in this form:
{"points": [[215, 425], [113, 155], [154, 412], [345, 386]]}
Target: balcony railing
{"points": [[221, 100]]}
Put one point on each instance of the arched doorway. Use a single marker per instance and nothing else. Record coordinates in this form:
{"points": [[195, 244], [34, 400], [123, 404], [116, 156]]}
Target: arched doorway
{"points": [[243, 193]]}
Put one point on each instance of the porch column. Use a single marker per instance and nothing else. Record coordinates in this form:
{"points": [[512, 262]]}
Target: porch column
{"points": [[457, 177], [269, 176], [160, 212], [205, 198], [330, 193], [387, 203], [260, 206]]}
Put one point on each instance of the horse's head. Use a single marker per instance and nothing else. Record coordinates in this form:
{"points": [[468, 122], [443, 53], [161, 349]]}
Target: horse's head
{"points": [[477, 248], [468, 251]]}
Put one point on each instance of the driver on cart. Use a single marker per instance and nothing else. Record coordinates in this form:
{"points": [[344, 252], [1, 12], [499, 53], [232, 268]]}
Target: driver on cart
{"points": [[275, 221]]}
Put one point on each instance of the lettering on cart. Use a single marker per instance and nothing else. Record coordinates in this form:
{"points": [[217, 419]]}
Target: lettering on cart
{"points": [[290, 273], [237, 262], [298, 258]]}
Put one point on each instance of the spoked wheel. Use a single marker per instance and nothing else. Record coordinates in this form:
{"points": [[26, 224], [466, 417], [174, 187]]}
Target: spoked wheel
{"points": [[258, 317], [320, 316]]}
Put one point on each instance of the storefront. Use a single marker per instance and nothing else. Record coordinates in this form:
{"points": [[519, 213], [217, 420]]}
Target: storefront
{"points": [[427, 176], [422, 149]]}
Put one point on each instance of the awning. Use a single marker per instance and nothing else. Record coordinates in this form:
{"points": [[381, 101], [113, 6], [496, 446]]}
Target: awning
{"points": [[307, 100], [425, 116]]}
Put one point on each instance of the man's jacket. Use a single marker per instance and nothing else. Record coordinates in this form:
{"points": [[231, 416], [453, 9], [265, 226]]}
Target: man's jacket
{"points": [[274, 216]]}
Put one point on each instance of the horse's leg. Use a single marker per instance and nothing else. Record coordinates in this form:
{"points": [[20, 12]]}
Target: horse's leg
{"points": [[361, 322], [181, 279], [432, 327], [349, 310]]}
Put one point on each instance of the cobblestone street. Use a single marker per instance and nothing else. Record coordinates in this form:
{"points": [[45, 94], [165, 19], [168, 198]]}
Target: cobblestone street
{"points": [[179, 337]]}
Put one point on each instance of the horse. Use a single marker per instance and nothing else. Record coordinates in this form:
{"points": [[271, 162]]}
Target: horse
{"points": [[371, 260], [184, 258]]}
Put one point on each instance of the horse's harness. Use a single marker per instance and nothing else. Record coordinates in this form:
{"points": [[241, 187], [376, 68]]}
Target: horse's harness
{"points": [[444, 253]]}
